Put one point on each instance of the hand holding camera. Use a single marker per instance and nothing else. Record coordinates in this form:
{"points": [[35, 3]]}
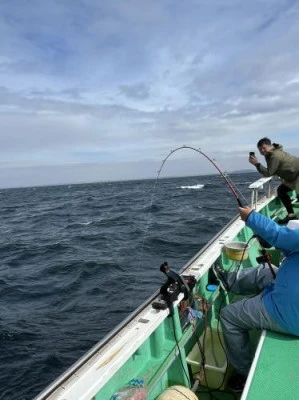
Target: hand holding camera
{"points": [[252, 158]]}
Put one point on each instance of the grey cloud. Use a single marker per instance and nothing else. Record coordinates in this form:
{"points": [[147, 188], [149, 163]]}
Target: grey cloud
{"points": [[38, 101], [272, 16], [138, 91], [21, 67], [71, 93], [207, 73]]}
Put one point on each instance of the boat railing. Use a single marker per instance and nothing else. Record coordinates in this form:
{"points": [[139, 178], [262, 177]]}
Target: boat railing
{"points": [[258, 186]]}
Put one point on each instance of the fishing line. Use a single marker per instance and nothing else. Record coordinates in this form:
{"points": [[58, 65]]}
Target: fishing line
{"points": [[229, 182], [236, 192], [225, 176], [236, 270]]}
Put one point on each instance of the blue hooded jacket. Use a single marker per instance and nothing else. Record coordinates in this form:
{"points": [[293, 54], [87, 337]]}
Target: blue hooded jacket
{"points": [[281, 297]]}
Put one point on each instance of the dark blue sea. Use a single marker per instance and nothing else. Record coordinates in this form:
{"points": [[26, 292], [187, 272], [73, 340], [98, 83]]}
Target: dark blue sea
{"points": [[71, 257]]}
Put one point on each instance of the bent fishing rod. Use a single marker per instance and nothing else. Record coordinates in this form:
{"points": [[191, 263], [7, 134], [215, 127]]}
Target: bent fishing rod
{"points": [[229, 183], [199, 151], [265, 256]]}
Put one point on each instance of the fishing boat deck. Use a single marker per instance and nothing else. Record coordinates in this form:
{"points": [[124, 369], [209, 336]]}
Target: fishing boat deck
{"points": [[275, 370], [274, 373], [154, 347]]}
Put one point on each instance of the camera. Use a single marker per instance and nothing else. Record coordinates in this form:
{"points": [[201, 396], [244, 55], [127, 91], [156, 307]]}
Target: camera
{"points": [[251, 154]]}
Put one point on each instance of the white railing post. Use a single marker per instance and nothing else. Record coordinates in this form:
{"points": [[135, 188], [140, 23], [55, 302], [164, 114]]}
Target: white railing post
{"points": [[255, 186]]}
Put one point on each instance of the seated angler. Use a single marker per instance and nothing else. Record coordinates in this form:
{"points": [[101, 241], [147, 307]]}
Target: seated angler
{"points": [[275, 305]]}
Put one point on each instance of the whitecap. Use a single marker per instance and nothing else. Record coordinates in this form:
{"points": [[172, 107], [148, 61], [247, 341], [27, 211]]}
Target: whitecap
{"points": [[199, 186]]}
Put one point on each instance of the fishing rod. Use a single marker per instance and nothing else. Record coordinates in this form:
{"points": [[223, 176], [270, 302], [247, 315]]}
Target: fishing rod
{"points": [[229, 183]]}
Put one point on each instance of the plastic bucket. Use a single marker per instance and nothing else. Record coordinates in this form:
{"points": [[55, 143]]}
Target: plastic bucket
{"points": [[216, 363], [236, 250]]}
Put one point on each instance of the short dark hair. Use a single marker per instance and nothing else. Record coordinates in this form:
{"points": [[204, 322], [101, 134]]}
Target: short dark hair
{"points": [[262, 141]]}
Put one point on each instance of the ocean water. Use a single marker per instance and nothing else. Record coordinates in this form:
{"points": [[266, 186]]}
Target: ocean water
{"points": [[72, 255]]}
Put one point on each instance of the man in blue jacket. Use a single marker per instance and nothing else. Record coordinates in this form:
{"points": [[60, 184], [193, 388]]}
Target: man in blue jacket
{"points": [[276, 304]]}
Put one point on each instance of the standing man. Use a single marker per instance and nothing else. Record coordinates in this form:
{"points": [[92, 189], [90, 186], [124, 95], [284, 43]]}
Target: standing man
{"points": [[283, 165]]}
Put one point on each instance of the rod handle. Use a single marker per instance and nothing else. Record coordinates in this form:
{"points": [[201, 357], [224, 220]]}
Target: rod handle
{"points": [[239, 202]]}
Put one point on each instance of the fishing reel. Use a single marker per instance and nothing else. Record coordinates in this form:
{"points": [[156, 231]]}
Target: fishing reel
{"points": [[170, 290], [264, 258]]}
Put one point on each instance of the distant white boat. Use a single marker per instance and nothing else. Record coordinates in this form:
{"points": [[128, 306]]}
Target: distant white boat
{"points": [[199, 186]]}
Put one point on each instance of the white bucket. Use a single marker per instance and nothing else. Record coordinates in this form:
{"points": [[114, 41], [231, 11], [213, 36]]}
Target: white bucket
{"points": [[236, 250], [216, 362]]}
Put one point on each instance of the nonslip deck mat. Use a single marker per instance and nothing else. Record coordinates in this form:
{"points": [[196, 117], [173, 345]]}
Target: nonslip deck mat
{"points": [[277, 371]]}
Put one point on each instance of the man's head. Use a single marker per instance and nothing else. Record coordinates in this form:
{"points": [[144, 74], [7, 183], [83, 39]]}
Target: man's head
{"points": [[264, 145]]}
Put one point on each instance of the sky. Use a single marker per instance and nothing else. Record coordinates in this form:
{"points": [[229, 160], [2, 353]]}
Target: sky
{"points": [[94, 90]]}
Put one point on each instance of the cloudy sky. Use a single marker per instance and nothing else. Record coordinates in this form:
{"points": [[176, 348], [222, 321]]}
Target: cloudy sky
{"points": [[103, 90]]}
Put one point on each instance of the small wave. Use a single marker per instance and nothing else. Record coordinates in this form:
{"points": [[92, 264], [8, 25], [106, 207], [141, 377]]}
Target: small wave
{"points": [[199, 186], [6, 335], [81, 223], [55, 245], [152, 208], [78, 224]]}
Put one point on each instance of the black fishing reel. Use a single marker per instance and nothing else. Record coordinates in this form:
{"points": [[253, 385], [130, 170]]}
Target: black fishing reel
{"points": [[170, 290], [265, 258]]}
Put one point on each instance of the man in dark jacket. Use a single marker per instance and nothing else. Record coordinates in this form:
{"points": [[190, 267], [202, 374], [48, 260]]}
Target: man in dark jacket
{"points": [[281, 164]]}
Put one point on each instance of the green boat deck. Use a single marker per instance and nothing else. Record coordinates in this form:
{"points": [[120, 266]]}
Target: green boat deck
{"points": [[275, 376], [277, 369]]}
